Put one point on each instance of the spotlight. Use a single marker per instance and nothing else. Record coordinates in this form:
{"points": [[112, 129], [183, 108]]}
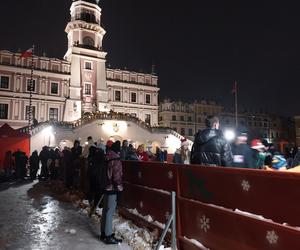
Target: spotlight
{"points": [[229, 135]]}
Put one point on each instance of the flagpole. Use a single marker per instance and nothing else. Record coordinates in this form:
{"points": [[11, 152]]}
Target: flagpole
{"points": [[236, 105], [30, 93]]}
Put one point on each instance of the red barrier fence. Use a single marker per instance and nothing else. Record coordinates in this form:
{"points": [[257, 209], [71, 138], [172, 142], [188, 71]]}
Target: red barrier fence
{"points": [[274, 195], [271, 194]]}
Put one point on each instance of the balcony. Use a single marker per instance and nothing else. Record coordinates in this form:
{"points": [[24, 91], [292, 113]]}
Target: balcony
{"points": [[86, 17]]}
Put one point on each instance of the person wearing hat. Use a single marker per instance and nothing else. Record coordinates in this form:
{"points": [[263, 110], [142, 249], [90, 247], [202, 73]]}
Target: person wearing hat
{"points": [[279, 162], [258, 149], [109, 143], [182, 155], [242, 153]]}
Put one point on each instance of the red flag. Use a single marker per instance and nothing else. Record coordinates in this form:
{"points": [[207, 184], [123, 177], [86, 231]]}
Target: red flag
{"points": [[234, 88], [27, 53]]}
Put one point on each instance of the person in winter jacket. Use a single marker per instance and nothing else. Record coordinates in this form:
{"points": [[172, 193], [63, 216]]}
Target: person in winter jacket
{"points": [[76, 154], [89, 143], [210, 147], [112, 188], [183, 154], [33, 164], [124, 150], [96, 162], [131, 154], [258, 153], [44, 156], [243, 156], [142, 155], [67, 166]]}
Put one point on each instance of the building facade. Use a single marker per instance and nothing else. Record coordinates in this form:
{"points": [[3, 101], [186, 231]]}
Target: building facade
{"points": [[65, 89], [257, 124], [186, 118]]}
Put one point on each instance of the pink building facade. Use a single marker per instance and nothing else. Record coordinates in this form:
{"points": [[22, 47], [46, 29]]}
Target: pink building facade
{"points": [[64, 89]]}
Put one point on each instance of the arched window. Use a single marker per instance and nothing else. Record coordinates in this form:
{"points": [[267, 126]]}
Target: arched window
{"points": [[88, 41]]}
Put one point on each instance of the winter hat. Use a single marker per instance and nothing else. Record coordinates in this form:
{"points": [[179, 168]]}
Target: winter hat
{"points": [[109, 143], [241, 131], [257, 144], [278, 161], [184, 142]]}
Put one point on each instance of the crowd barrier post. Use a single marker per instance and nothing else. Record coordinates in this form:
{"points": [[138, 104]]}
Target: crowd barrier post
{"points": [[172, 219]]}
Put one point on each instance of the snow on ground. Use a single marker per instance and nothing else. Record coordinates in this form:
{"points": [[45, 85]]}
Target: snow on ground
{"points": [[137, 238], [255, 216], [35, 218]]}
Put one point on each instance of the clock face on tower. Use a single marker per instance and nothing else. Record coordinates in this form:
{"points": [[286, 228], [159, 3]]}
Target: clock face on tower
{"points": [[88, 76]]}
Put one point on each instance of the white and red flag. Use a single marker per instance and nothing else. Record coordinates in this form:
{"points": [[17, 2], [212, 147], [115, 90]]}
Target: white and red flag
{"points": [[27, 53]]}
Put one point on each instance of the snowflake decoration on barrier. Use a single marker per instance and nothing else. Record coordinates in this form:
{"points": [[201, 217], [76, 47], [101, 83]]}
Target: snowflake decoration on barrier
{"points": [[140, 175], [141, 204], [204, 223], [245, 185], [170, 175], [272, 237]]}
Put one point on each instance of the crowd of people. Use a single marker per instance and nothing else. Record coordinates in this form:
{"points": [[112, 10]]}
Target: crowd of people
{"points": [[210, 148], [96, 169]]}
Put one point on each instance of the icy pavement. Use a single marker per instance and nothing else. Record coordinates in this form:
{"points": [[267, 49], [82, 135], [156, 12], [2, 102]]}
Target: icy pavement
{"points": [[32, 217]]}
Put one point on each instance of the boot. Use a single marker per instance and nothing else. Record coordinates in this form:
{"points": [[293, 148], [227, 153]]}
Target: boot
{"points": [[111, 240]]}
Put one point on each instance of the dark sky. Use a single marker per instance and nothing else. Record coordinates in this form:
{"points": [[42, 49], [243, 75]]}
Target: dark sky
{"points": [[199, 47]]}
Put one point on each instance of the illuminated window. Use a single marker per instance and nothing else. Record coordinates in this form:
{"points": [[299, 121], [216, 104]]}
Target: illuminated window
{"points": [[30, 86], [118, 95], [6, 60], [27, 113], [3, 111], [88, 89], [88, 65], [4, 82], [54, 88], [53, 114], [148, 99], [133, 97], [55, 68]]}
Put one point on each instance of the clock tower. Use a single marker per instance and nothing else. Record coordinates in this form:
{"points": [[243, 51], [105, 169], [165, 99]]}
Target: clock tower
{"points": [[88, 87]]}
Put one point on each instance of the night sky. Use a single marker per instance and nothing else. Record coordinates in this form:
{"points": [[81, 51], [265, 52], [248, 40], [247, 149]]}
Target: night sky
{"points": [[199, 47]]}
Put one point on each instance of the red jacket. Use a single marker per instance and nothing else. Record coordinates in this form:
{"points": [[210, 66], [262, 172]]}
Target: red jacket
{"points": [[143, 156]]}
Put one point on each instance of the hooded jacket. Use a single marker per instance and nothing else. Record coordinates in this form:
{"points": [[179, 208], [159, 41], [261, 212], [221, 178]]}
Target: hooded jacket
{"points": [[114, 172], [211, 148]]}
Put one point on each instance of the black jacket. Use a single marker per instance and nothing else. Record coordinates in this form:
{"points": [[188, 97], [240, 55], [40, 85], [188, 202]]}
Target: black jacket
{"points": [[243, 156], [211, 148]]}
